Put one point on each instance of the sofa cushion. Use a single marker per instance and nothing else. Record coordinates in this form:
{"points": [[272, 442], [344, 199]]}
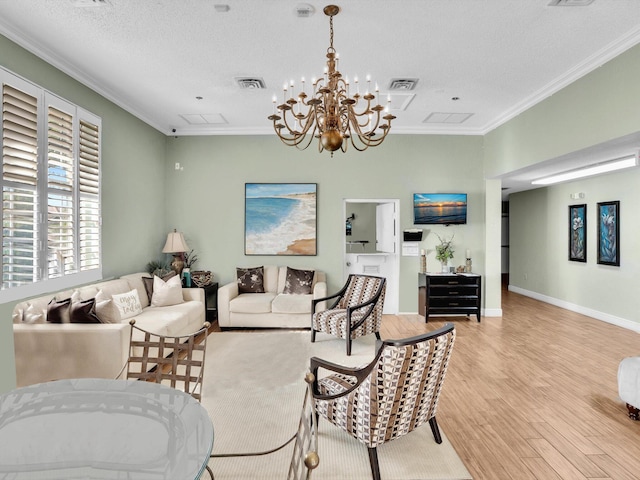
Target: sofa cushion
{"points": [[166, 293], [287, 303], [84, 311], [58, 311], [135, 281], [298, 282], [252, 303], [128, 304], [33, 314], [250, 280], [107, 311], [147, 283]]}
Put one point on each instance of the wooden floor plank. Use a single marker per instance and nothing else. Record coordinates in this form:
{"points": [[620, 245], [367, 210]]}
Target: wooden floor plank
{"points": [[533, 394]]}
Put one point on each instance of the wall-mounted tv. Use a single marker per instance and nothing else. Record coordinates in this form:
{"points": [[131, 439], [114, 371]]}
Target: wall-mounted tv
{"points": [[439, 208]]}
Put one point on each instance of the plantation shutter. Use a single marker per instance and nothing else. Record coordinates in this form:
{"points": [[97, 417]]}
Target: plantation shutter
{"points": [[60, 186], [89, 187], [20, 177]]}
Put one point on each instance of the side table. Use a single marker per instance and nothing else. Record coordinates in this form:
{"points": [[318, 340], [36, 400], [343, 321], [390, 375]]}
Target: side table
{"points": [[211, 301]]}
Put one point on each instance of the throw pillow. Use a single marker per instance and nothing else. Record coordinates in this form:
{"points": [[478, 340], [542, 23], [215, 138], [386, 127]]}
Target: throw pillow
{"points": [[58, 312], [84, 311], [34, 315], [298, 282], [106, 311], [250, 280], [148, 283], [128, 304], [166, 293]]}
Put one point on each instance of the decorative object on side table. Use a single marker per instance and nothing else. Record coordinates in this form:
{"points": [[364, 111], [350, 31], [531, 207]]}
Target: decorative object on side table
{"points": [[444, 251], [467, 267], [202, 278], [176, 246]]}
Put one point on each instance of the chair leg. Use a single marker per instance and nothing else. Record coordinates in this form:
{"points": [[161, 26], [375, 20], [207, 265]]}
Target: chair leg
{"points": [[313, 335], [435, 430], [210, 472], [373, 460], [378, 335], [348, 346]]}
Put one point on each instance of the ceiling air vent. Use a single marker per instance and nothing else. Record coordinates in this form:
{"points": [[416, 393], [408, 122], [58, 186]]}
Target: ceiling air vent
{"points": [[89, 3], [570, 3], [251, 83], [444, 117], [304, 10], [403, 83]]}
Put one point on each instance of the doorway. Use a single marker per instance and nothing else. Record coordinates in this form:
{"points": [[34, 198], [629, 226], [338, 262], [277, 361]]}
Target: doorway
{"points": [[371, 243]]}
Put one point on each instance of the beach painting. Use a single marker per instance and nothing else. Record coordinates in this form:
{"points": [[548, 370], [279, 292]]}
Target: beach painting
{"points": [[280, 219]]}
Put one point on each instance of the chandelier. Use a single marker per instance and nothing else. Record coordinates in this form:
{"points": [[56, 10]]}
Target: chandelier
{"points": [[329, 113]]}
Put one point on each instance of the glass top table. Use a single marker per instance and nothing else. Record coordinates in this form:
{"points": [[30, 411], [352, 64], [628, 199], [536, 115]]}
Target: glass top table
{"points": [[103, 429]]}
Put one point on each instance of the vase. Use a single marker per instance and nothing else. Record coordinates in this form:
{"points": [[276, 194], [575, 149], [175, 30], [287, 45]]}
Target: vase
{"points": [[445, 267]]}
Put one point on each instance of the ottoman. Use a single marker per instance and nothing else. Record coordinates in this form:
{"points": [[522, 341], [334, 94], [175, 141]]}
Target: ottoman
{"points": [[629, 385]]}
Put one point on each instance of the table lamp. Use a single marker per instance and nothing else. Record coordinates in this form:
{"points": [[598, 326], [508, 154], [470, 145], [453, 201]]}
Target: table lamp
{"points": [[176, 246]]}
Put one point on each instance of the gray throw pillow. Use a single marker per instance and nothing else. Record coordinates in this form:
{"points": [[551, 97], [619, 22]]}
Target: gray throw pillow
{"points": [[58, 311], [298, 282], [250, 280], [84, 312]]}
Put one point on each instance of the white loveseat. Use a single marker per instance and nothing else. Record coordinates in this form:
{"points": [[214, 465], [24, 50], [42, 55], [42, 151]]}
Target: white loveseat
{"points": [[47, 351], [273, 308]]}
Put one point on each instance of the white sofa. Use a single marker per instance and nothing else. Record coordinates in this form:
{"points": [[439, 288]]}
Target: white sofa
{"points": [[47, 351], [271, 309]]}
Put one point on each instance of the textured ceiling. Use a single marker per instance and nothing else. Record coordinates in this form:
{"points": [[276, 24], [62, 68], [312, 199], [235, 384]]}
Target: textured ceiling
{"points": [[155, 57]]}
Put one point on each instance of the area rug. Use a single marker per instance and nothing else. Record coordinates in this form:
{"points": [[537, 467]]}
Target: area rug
{"points": [[253, 390]]}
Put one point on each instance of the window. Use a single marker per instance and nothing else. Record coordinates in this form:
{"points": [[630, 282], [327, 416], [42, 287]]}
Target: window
{"points": [[50, 191]]}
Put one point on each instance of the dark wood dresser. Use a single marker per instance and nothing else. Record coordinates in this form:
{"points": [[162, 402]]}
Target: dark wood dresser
{"points": [[449, 293]]}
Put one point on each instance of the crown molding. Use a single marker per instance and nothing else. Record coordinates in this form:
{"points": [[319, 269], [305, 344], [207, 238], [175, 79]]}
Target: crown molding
{"points": [[596, 60], [86, 80]]}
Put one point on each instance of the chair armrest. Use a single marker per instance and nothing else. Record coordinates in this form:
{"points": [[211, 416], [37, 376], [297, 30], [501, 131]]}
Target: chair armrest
{"points": [[320, 292], [226, 293], [315, 301], [359, 373], [193, 294]]}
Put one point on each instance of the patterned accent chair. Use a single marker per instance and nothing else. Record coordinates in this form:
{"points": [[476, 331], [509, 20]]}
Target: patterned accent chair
{"points": [[356, 312], [393, 395]]}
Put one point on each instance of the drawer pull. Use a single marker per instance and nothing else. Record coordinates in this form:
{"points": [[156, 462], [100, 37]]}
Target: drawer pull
{"points": [[454, 304], [453, 283], [453, 293]]}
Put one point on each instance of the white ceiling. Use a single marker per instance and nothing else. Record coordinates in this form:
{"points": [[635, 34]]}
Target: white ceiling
{"points": [[155, 57]]}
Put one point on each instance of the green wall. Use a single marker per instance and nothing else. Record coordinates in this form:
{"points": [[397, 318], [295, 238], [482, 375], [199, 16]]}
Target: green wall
{"points": [[539, 240], [206, 197], [601, 106], [133, 180]]}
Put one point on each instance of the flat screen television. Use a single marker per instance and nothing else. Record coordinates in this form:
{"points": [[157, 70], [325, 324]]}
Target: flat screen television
{"points": [[439, 208]]}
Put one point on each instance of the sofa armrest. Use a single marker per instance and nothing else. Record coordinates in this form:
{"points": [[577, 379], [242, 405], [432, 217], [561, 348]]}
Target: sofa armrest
{"points": [[226, 293], [193, 294], [45, 352], [320, 291]]}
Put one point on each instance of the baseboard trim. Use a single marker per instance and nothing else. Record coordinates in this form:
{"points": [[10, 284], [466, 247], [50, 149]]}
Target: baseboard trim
{"points": [[602, 316]]}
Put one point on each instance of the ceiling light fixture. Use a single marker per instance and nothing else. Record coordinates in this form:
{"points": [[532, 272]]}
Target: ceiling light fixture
{"points": [[330, 112], [605, 167]]}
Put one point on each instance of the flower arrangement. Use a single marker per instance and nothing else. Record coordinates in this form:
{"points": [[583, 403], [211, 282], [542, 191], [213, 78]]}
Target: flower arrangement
{"points": [[190, 258], [444, 251]]}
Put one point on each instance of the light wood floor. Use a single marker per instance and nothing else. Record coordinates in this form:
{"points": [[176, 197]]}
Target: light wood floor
{"points": [[533, 395]]}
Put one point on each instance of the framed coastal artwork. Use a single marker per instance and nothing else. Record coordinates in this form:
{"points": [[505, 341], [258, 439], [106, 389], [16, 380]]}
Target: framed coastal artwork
{"points": [[577, 233], [280, 219], [609, 233]]}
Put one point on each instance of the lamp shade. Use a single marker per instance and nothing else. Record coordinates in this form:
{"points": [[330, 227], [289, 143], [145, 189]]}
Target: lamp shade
{"points": [[175, 243]]}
